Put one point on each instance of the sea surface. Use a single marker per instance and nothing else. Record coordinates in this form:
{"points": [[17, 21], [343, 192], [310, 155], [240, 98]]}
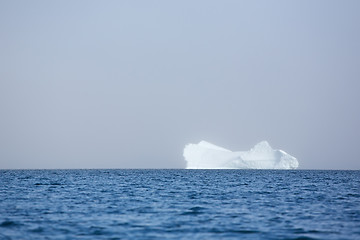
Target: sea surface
{"points": [[179, 204]]}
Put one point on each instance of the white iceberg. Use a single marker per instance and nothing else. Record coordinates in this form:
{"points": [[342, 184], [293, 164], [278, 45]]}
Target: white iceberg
{"points": [[205, 155]]}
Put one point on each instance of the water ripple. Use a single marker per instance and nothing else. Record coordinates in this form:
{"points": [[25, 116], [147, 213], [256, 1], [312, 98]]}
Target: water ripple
{"points": [[179, 204]]}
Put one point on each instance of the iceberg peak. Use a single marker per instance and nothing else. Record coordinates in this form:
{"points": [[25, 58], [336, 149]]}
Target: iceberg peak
{"points": [[205, 155], [262, 146]]}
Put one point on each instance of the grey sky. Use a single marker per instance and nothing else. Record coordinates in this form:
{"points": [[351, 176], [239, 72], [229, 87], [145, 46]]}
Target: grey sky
{"points": [[126, 84]]}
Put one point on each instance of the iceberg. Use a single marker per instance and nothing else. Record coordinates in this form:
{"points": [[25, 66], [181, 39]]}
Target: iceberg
{"points": [[205, 155]]}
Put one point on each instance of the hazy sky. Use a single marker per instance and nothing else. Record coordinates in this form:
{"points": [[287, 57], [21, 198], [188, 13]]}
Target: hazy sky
{"points": [[126, 84]]}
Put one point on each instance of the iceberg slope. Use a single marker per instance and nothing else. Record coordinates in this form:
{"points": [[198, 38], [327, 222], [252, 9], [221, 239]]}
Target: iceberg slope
{"points": [[205, 155]]}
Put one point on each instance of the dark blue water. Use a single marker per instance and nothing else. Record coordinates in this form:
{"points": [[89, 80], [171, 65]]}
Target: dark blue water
{"points": [[179, 204]]}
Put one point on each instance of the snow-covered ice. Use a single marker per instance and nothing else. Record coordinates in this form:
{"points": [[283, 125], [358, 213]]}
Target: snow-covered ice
{"points": [[205, 155]]}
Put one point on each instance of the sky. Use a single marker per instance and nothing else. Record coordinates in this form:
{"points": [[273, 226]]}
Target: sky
{"points": [[127, 84]]}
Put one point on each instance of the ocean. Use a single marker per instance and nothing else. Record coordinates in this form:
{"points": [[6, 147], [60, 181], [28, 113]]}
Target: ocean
{"points": [[179, 204]]}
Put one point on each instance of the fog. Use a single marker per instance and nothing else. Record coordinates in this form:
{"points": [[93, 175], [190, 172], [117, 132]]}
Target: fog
{"points": [[126, 84]]}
